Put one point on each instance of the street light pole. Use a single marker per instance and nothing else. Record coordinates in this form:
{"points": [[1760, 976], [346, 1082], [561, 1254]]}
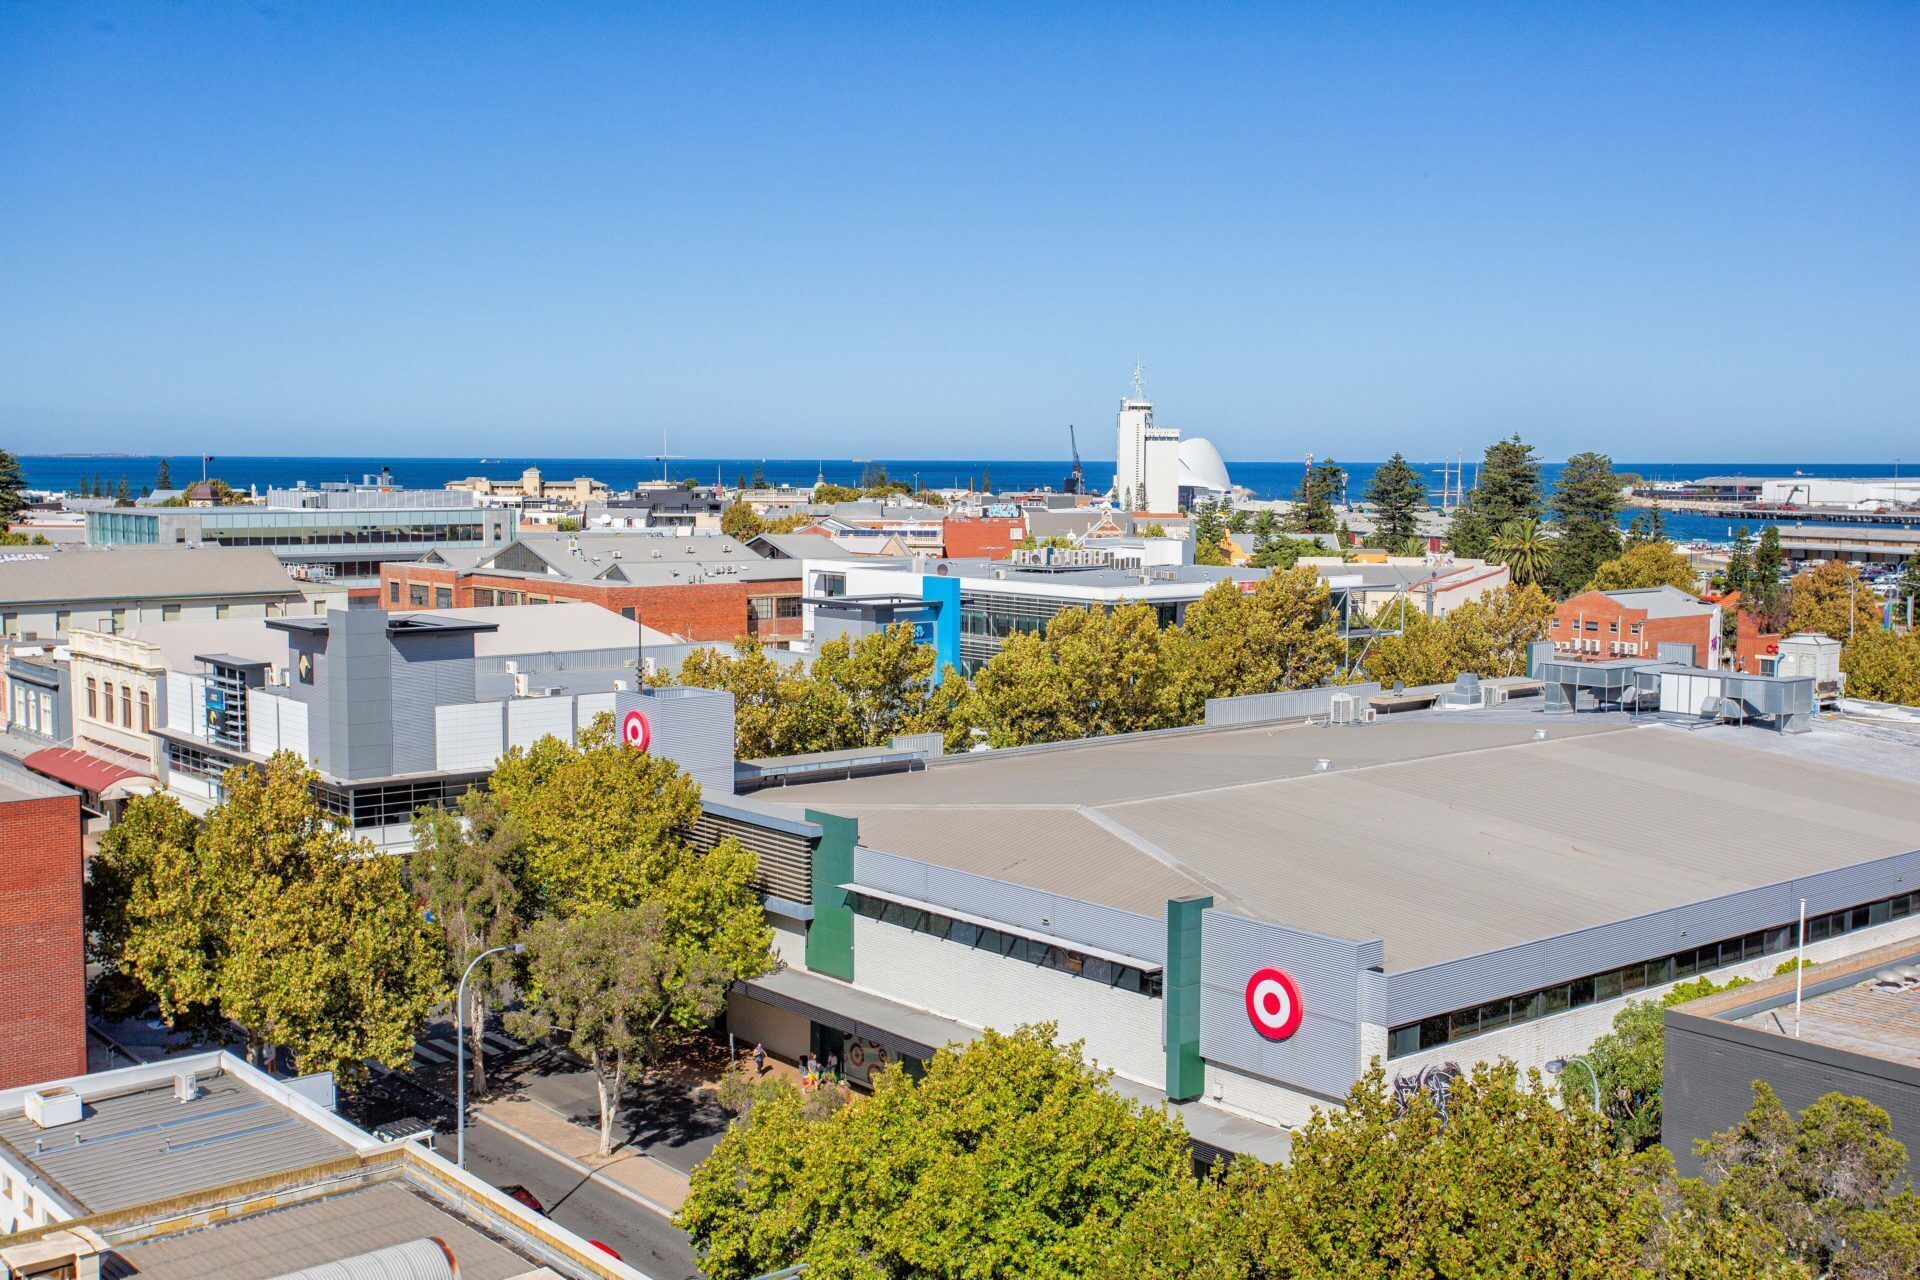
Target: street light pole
{"points": [[460, 1051], [1556, 1065]]}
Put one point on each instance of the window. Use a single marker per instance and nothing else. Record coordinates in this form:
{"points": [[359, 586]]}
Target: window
{"points": [[417, 593], [833, 584], [1012, 946], [119, 622], [223, 610], [1641, 976], [93, 700], [627, 613], [443, 597], [126, 705], [61, 620], [9, 624], [146, 712], [482, 596], [169, 613], [393, 591]]}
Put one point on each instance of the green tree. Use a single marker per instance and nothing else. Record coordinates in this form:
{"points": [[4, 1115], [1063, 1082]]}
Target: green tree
{"points": [[778, 710], [1832, 598], [884, 680], [1506, 1184], [624, 985], [600, 823], [1282, 552], [835, 493], [1506, 488], [1284, 634], [1627, 1063], [277, 918], [1883, 666], [1525, 547], [566, 524], [1649, 526], [1769, 590], [738, 520], [1906, 592], [1092, 672], [1738, 575], [1586, 507], [1488, 637], [122, 492], [163, 479], [759, 480], [1312, 510], [1398, 500], [13, 489], [1154, 530], [1646, 564], [1012, 1158], [1209, 528], [121, 868], [467, 866], [1827, 1181]]}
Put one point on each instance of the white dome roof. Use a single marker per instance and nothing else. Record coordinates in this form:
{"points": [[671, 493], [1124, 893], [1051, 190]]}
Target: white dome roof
{"points": [[1201, 466]]}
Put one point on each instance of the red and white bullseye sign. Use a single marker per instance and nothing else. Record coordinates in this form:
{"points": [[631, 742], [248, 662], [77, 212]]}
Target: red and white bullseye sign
{"points": [[1274, 1006], [635, 731]]}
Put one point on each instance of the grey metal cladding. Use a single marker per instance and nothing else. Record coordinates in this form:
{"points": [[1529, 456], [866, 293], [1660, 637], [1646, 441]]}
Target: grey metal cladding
{"points": [[1016, 905], [1323, 1056], [1457, 984], [1293, 704], [427, 672]]}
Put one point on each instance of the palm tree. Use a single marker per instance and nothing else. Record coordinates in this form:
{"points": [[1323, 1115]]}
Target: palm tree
{"points": [[1525, 547]]}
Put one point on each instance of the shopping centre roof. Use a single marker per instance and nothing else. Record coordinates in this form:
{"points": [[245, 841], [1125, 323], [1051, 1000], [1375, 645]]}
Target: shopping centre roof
{"points": [[1444, 835]]}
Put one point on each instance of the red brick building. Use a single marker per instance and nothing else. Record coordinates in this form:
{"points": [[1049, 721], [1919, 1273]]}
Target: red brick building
{"points": [[43, 976], [1632, 624], [986, 538], [695, 587]]}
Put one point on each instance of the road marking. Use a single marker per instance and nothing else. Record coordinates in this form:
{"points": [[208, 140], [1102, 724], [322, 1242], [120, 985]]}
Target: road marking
{"points": [[586, 1171], [501, 1044], [426, 1054]]}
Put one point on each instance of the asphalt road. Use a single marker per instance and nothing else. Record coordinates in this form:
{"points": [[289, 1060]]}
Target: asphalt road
{"points": [[642, 1237]]}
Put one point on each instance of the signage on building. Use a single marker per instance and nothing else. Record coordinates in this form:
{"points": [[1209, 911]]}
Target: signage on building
{"points": [[1273, 1004], [864, 1059], [635, 731]]}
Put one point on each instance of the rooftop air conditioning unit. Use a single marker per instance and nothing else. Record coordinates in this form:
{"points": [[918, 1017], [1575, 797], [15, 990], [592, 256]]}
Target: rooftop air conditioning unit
{"points": [[54, 1106], [1343, 709], [1492, 695]]}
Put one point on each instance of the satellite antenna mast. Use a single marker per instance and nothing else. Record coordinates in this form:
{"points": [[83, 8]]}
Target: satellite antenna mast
{"points": [[663, 456]]}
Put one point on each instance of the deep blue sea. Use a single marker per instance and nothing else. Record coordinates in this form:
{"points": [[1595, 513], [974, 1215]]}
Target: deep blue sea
{"points": [[1265, 479]]}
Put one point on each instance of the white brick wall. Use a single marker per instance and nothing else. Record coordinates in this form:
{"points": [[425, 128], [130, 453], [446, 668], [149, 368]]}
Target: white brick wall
{"points": [[1263, 1100], [789, 940], [1122, 1029]]}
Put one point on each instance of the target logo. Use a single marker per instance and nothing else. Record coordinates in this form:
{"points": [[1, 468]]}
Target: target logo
{"points": [[1273, 1004], [635, 731]]}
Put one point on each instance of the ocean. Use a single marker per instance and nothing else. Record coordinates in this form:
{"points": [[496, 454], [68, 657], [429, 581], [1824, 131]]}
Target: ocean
{"points": [[1265, 479]]}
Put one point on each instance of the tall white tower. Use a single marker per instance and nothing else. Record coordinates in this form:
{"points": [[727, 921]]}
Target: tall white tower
{"points": [[1146, 458]]}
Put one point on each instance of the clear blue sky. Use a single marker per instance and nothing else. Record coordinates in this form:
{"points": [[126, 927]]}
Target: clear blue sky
{"points": [[1685, 231]]}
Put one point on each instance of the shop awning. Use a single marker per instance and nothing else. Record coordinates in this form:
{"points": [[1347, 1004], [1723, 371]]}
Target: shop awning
{"points": [[902, 1028], [79, 769], [1018, 931]]}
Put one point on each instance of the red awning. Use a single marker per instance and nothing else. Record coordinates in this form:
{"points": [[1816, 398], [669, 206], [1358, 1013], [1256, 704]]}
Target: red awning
{"points": [[80, 769]]}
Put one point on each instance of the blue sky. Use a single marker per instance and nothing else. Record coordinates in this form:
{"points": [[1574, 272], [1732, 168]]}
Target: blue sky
{"points": [[1685, 231]]}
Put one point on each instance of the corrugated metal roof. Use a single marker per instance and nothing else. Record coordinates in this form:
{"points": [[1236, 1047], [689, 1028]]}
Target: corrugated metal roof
{"points": [[146, 1145], [153, 573], [1444, 837], [263, 1245]]}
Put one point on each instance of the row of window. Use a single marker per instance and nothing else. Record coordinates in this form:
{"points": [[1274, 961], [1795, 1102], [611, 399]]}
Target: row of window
{"points": [[1011, 945], [392, 804], [1593, 624], [101, 708], [417, 595], [1462, 1024]]}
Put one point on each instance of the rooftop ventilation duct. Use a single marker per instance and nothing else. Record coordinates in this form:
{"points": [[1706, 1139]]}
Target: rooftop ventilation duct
{"points": [[1321, 766]]}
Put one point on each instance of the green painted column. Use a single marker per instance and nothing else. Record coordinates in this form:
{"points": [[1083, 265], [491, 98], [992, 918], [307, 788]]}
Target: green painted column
{"points": [[1180, 993], [830, 936]]}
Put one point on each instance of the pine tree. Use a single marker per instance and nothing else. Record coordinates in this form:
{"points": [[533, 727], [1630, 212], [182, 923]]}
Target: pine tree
{"points": [[1769, 593], [1506, 489], [1209, 527], [1906, 594], [123, 492], [1586, 505], [1739, 571], [13, 497], [1398, 499], [163, 479]]}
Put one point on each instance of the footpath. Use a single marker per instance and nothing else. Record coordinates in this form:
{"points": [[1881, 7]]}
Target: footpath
{"points": [[659, 1186]]}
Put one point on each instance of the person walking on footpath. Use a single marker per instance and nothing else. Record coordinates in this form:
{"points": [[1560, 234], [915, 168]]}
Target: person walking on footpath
{"points": [[833, 1064], [759, 1059]]}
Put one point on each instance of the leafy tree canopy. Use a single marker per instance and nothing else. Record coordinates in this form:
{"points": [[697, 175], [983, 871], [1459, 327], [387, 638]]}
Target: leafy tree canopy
{"points": [[1646, 564], [1011, 1158]]}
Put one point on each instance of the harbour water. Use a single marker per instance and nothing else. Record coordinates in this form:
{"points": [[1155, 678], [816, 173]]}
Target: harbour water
{"points": [[1264, 479]]}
